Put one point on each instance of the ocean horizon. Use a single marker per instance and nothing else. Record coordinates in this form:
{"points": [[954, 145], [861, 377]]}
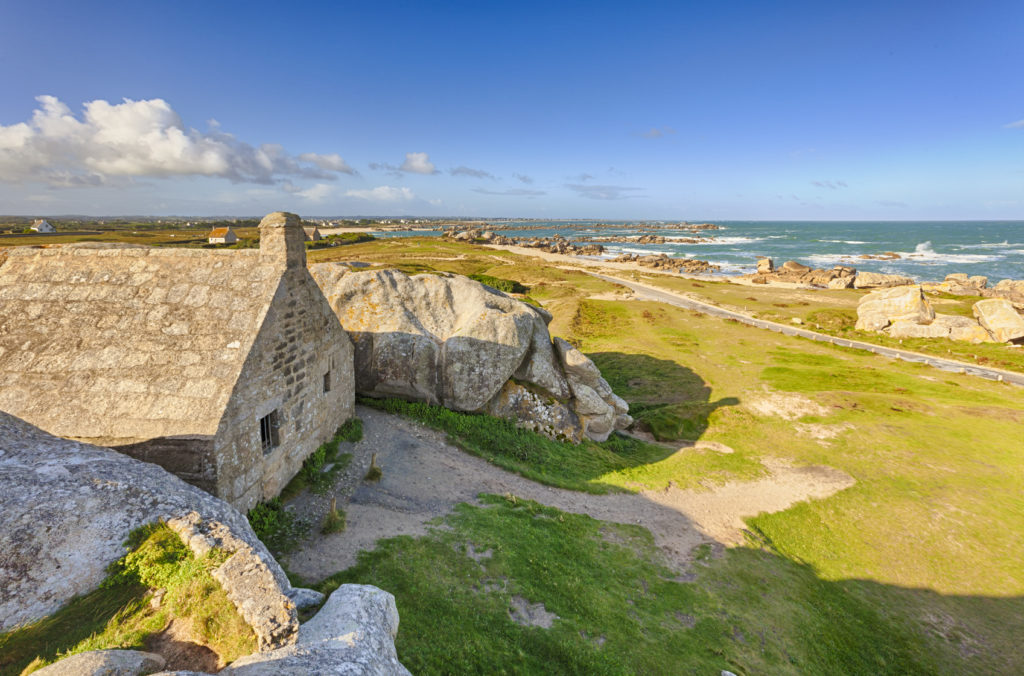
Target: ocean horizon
{"points": [[927, 250]]}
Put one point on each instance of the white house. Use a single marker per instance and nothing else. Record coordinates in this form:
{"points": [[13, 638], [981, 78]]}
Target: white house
{"points": [[223, 236], [43, 227]]}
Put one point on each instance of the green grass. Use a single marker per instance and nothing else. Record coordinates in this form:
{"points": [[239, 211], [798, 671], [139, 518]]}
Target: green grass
{"points": [[279, 529], [506, 285], [119, 615], [620, 610], [916, 568], [579, 467], [312, 475]]}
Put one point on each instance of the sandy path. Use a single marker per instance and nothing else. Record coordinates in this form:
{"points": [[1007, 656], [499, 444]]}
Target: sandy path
{"points": [[424, 477]]}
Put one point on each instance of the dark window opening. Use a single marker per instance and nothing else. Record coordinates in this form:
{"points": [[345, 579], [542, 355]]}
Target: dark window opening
{"points": [[268, 431], [327, 382]]}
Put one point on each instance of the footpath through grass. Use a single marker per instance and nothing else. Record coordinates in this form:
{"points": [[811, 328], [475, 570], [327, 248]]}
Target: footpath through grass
{"points": [[120, 615], [619, 610], [915, 569]]}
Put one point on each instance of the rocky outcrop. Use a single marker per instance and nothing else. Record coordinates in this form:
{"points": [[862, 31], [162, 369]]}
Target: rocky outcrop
{"points": [[792, 272], [245, 578], [448, 340], [67, 507], [1009, 289], [958, 284], [667, 263], [353, 633], [105, 663], [878, 280], [880, 308], [999, 317]]}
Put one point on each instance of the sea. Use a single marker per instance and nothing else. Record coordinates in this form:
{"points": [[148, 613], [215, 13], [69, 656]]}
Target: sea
{"points": [[927, 250]]}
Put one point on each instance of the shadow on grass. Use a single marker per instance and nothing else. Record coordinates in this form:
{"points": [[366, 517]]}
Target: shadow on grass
{"points": [[670, 401], [621, 611]]}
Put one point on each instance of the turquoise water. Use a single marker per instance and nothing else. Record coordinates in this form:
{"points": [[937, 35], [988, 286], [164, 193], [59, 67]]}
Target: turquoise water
{"points": [[929, 250]]}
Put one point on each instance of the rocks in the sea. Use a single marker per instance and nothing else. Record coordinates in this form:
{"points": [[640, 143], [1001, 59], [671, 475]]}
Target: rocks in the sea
{"points": [[1000, 318], [666, 262], [876, 280], [765, 266], [446, 339], [885, 256], [105, 663], [880, 308]]}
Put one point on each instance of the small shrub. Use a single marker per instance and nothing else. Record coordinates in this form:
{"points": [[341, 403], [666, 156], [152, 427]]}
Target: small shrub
{"points": [[351, 431], [334, 522], [275, 526], [505, 285], [375, 472]]}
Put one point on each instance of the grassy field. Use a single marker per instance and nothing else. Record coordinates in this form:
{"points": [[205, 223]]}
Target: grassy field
{"points": [[915, 569], [835, 312]]}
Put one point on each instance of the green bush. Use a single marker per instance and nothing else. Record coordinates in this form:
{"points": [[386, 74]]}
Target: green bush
{"points": [[506, 285]]}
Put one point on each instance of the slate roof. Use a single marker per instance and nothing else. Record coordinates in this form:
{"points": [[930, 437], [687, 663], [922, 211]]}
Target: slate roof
{"points": [[108, 342]]}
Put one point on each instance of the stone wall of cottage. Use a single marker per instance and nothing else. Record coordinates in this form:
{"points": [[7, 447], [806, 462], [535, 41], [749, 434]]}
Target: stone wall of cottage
{"points": [[300, 341]]}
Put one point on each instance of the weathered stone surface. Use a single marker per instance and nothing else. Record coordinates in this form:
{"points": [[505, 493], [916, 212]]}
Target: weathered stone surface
{"points": [[1000, 318], [66, 509], [963, 328], [246, 579], [908, 329], [877, 280], [105, 663], [600, 410], [841, 282], [352, 634], [446, 339], [438, 338], [174, 355], [905, 303], [765, 266], [537, 412], [793, 266], [1010, 289]]}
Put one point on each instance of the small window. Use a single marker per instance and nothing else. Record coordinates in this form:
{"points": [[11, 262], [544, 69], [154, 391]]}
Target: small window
{"points": [[327, 382], [268, 431]]}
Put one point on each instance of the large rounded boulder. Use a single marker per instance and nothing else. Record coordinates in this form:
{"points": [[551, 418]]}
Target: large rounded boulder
{"points": [[449, 340]]}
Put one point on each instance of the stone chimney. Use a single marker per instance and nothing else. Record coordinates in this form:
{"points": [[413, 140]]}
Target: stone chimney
{"points": [[282, 240]]}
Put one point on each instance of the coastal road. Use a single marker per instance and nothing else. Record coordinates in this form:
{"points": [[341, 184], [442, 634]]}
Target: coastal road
{"points": [[652, 293]]}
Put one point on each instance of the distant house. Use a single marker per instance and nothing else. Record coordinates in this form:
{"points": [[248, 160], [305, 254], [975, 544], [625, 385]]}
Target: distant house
{"points": [[43, 227], [225, 367], [312, 234], [223, 236]]}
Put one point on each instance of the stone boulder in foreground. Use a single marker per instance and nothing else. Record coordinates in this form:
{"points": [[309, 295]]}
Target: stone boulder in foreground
{"points": [[446, 339], [67, 507]]}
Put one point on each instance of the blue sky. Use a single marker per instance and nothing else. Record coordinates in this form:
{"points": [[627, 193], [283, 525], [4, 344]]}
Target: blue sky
{"points": [[741, 110]]}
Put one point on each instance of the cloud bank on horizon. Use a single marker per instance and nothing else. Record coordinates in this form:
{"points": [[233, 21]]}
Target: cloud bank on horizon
{"points": [[135, 139]]}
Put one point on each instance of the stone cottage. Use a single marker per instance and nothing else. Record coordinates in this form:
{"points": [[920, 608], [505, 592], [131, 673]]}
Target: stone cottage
{"points": [[222, 236], [226, 368]]}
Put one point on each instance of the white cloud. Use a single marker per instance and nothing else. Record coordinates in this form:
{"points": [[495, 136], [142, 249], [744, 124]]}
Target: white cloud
{"points": [[1019, 124], [140, 138], [384, 193], [317, 193], [418, 163], [332, 162]]}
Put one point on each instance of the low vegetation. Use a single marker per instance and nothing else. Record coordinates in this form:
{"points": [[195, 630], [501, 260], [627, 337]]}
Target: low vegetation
{"points": [[320, 470], [915, 569], [157, 581]]}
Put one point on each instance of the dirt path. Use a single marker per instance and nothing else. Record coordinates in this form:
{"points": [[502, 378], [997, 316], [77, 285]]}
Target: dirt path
{"points": [[424, 477]]}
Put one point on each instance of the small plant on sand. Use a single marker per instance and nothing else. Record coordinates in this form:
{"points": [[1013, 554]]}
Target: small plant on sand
{"points": [[322, 467], [334, 522], [374, 473]]}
